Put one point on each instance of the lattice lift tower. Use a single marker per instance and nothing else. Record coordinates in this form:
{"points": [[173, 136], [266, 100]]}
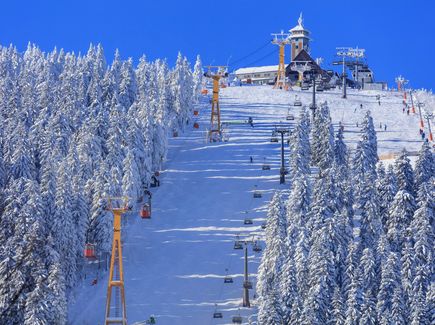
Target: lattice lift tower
{"points": [[281, 39], [116, 308], [215, 73]]}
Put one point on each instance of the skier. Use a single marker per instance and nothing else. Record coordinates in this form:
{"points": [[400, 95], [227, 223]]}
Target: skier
{"points": [[250, 121], [407, 111], [356, 124], [360, 106], [422, 135], [251, 159], [385, 127], [94, 282], [380, 126], [420, 131]]}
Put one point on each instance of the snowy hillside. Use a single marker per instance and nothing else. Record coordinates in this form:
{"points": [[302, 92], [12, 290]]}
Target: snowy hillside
{"points": [[176, 262]]}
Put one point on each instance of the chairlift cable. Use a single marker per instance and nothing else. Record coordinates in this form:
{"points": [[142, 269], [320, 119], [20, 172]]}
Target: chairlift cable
{"points": [[248, 55]]}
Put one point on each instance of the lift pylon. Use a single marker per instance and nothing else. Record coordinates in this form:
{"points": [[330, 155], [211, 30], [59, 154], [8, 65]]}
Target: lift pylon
{"points": [[215, 73], [281, 39], [115, 308]]}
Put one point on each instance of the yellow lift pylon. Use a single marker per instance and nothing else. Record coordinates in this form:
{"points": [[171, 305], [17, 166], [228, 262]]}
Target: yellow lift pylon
{"points": [[215, 73], [281, 39], [116, 312]]}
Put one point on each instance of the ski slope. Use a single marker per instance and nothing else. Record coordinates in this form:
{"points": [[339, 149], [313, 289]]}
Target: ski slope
{"points": [[174, 264]]}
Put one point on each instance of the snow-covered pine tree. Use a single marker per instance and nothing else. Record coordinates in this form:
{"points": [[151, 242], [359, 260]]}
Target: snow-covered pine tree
{"points": [[272, 259], [63, 227], [404, 174], [390, 283], [131, 183], [299, 160], [340, 149], [400, 215], [424, 166], [198, 75], [386, 185]]}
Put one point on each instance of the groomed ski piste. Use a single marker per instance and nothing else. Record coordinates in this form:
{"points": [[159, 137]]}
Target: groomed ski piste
{"points": [[175, 263]]}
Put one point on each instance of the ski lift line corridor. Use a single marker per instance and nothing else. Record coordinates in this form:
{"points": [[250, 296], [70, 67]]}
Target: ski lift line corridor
{"points": [[156, 254]]}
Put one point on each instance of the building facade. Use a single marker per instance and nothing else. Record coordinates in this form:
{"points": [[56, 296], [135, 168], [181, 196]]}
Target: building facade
{"points": [[265, 75]]}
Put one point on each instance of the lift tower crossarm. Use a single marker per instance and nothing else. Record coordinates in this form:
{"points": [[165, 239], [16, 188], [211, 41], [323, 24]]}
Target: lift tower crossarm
{"points": [[281, 39]]}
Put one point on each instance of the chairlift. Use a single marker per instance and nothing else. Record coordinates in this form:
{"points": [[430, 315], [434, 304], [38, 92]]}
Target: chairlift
{"points": [[263, 225], [274, 138], [237, 319], [289, 117], [319, 88], [265, 165], [196, 125], [89, 251], [217, 314], [195, 112], [175, 133], [247, 284], [145, 211], [257, 193], [238, 244], [228, 279], [248, 221], [297, 102], [256, 247]]}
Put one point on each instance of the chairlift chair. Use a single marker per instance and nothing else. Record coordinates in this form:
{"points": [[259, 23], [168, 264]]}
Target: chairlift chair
{"points": [[256, 248], [145, 211], [196, 125], [238, 245], [217, 314], [175, 134], [195, 112], [247, 284], [257, 193], [265, 166], [274, 138], [248, 221], [263, 225], [319, 88], [237, 319], [89, 251], [297, 101], [228, 279]]}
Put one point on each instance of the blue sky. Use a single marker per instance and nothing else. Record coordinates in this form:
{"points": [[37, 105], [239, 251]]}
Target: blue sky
{"points": [[394, 33]]}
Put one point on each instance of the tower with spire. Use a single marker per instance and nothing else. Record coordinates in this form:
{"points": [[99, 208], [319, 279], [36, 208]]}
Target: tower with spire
{"points": [[299, 38]]}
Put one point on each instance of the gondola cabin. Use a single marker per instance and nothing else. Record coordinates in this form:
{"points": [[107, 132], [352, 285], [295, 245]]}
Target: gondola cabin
{"points": [[89, 251], [145, 211]]}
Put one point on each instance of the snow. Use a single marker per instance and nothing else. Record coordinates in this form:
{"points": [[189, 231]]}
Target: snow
{"points": [[174, 264]]}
